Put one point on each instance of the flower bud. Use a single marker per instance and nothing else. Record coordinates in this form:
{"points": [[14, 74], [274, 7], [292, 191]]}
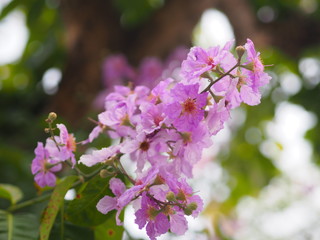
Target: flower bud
{"points": [[52, 116], [240, 51], [152, 213], [187, 211], [193, 206], [158, 181], [181, 196], [249, 66], [104, 173], [171, 197]]}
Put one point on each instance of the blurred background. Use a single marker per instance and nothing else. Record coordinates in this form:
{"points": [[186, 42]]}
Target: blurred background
{"points": [[261, 179]]}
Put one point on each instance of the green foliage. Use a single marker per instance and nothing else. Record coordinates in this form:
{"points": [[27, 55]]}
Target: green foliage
{"points": [[108, 230], [134, 13], [53, 207], [82, 210], [18, 226], [10, 192], [68, 231]]}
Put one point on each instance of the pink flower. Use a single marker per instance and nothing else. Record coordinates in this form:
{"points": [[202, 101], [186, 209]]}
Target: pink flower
{"points": [[152, 117], [149, 72], [200, 61], [149, 214], [107, 203], [187, 109], [67, 144], [139, 187], [184, 194], [217, 116], [116, 69], [142, 149], [98, 156], [43, 167], [188, 149]]}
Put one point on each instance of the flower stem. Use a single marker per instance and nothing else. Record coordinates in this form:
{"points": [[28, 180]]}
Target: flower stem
{"points": [[222, 76], [29, 202]]}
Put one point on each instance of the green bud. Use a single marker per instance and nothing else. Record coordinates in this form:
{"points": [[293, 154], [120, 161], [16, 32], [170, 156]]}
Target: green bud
{"points": [[104, 173], [193, 206], [158, 181], [152, 213], [206, 75], [181, 196], [240, 51], [171, 197], [52, 116], [249, 66], [187, 211]]}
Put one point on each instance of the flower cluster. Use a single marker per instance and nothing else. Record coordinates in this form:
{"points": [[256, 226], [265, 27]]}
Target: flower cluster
{"points": [[163, 131], [117, 71]]}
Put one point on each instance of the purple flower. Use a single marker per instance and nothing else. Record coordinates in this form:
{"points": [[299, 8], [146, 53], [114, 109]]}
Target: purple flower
{"points": [[149, 214], [200, 61], [188, 149], [116, 69], [120, 117], [186, 110], [67, 144], [43, 167], [251, 80], [138, 188], [141, 150], [94, 134], [160, 93], [217, 115], [184, 193], [152, 117], [149, 72], [107, 203]]}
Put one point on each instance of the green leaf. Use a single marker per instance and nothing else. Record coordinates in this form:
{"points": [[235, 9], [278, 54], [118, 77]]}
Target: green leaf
{"points": [[82, 210], [10, 192], [9, 8], [71, 232], [52, 209], [108, 230], [18, 226]]}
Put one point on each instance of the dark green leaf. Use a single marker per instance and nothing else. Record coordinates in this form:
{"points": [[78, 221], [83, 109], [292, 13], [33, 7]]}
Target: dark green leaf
{"points": [[82, 210], [108, 230], [71, 232]]}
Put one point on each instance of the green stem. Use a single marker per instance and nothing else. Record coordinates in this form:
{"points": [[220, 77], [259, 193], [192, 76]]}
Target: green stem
{"points": [[35, 200], [29, 202]]}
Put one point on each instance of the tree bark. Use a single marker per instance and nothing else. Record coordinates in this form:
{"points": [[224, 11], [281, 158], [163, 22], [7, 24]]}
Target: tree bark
{"points": [[93, 31], [92, 28]]}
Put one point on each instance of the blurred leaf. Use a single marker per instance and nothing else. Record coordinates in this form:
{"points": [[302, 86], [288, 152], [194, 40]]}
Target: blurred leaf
{"points": [[82, 210], [10, 192], [9, 8], [18, 226], [108, 230], [55, 202], [136, 12]]}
